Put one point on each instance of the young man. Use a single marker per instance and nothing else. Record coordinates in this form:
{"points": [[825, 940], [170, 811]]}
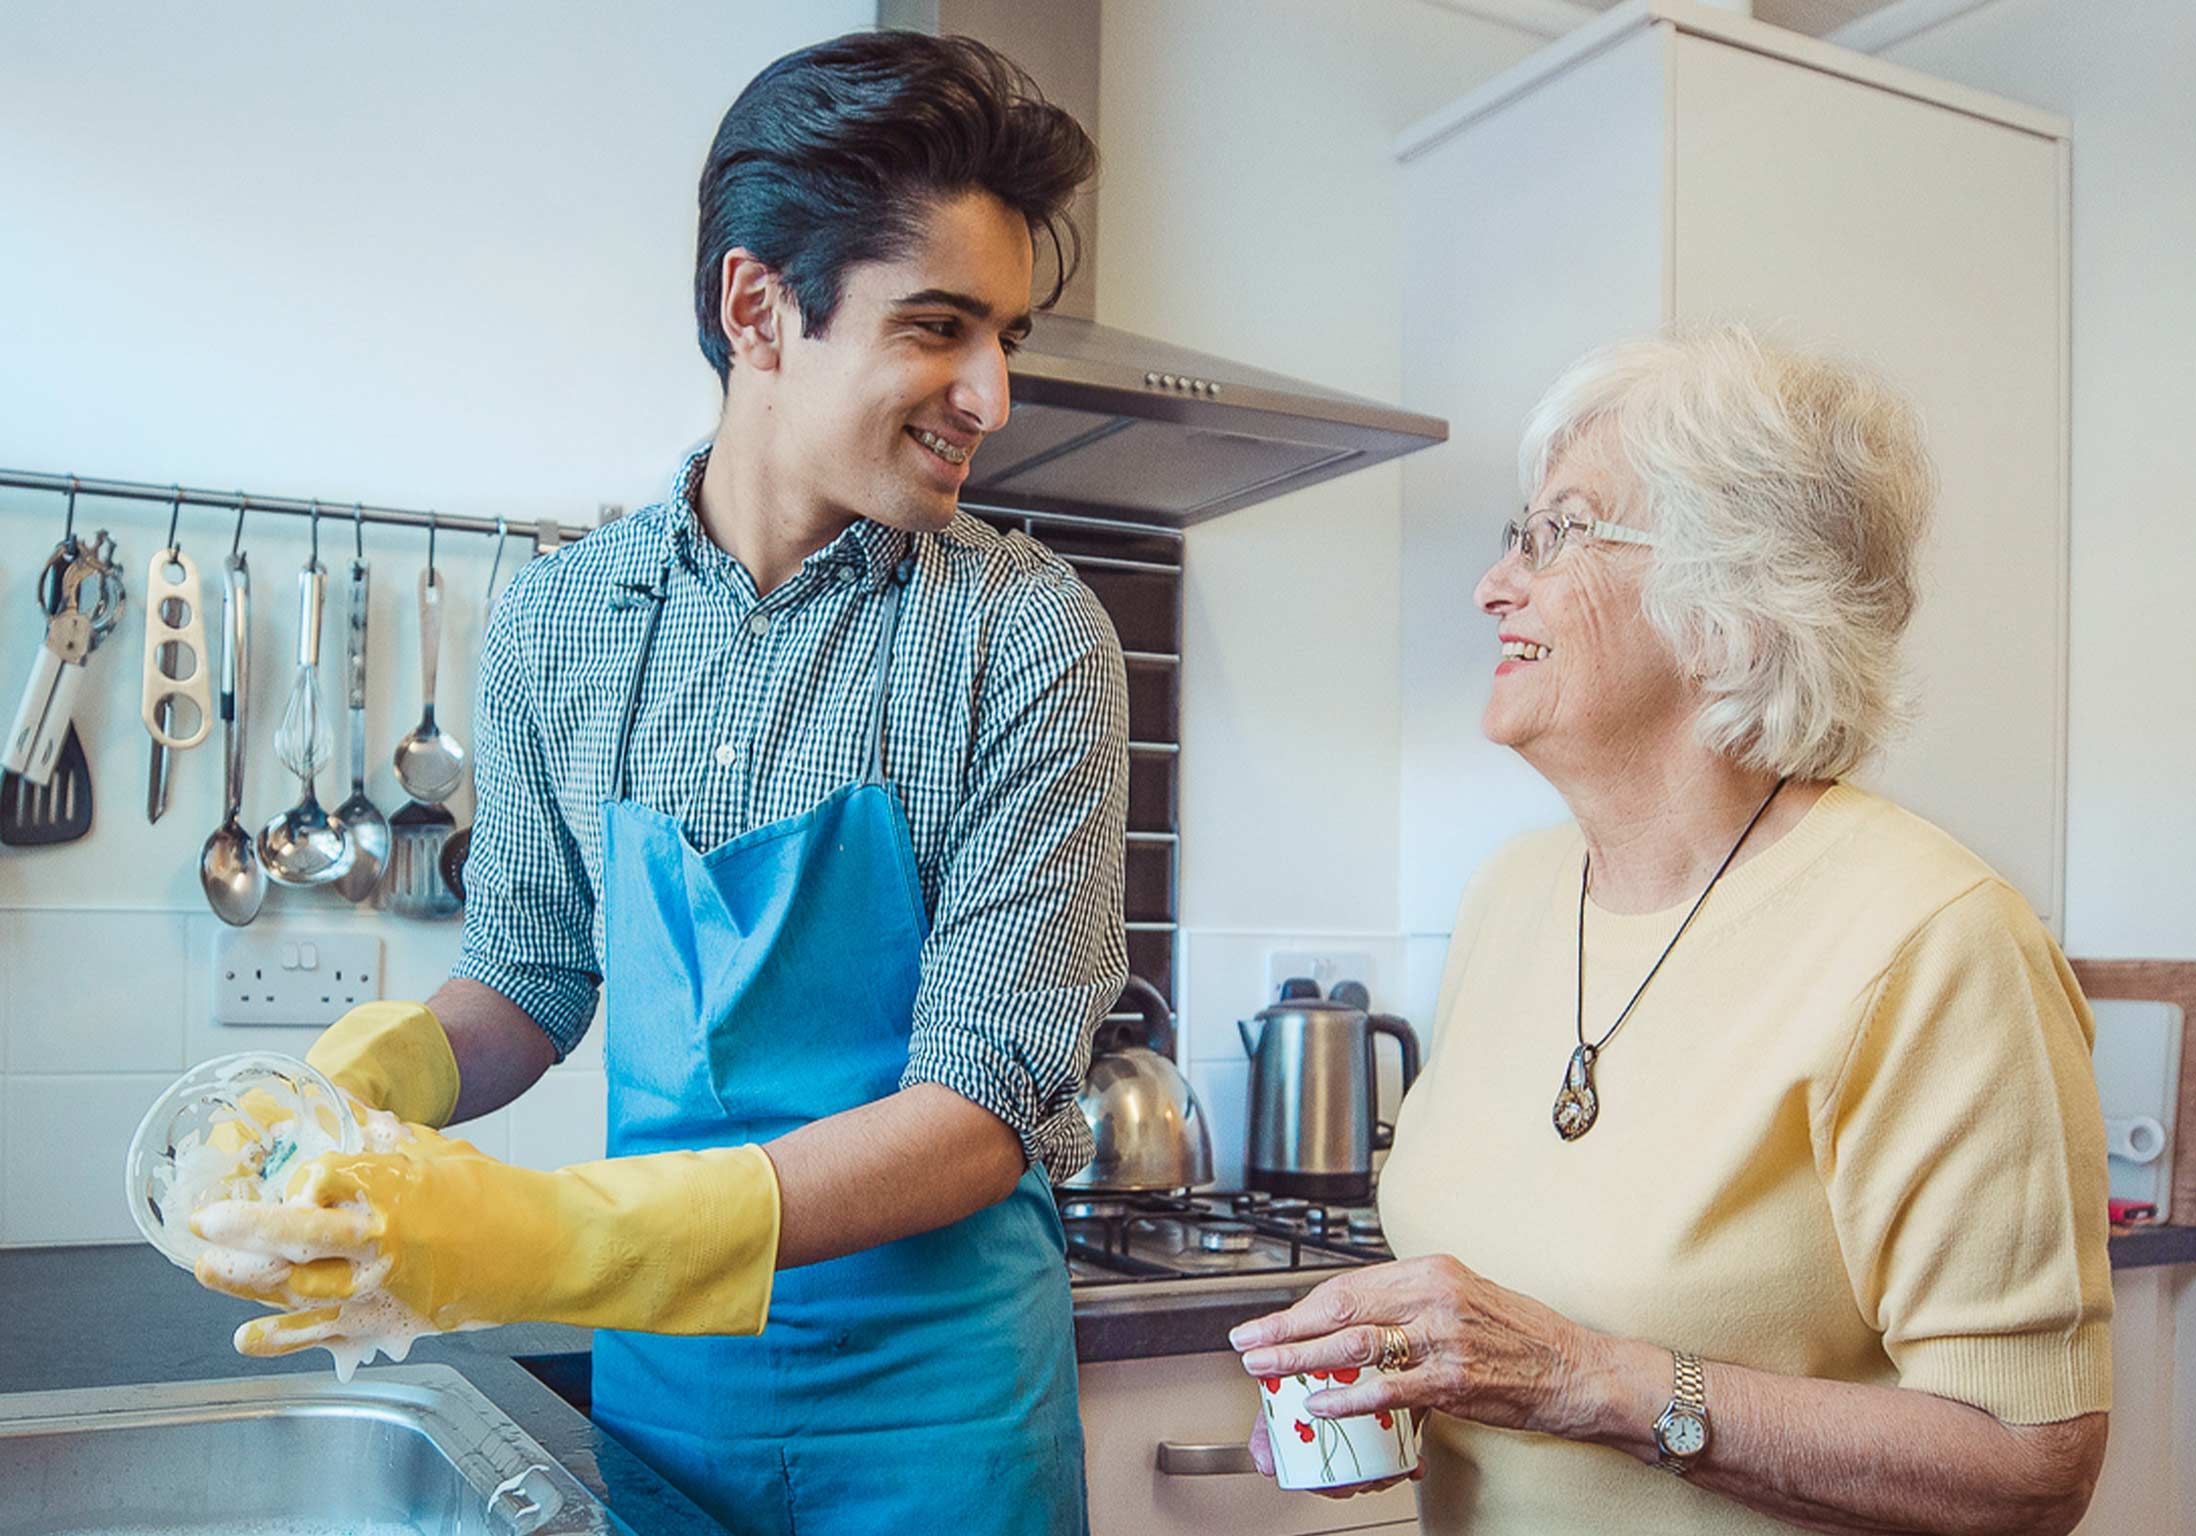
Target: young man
{"points": [[825, 783]]}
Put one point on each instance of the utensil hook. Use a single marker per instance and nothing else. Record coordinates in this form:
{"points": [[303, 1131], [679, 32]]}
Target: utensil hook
{"points": [[175, 516], [315, 559], [503, 531], [358, 531], [68, 528], [236, 540], [431, 520]]}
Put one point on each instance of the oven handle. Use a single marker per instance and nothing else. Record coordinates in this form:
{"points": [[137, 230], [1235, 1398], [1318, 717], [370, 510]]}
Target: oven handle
{"points": [[1205, 1460]]}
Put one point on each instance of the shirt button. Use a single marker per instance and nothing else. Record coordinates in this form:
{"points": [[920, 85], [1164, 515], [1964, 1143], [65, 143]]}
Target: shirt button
{"points": [[846, 575], [725, 754], [758, 624]]}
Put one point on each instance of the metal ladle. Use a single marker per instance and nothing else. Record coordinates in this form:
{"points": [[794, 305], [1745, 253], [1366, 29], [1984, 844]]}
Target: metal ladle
{"points": [[303, 846], [359, 815], [429, 762], [461, 842], [228, 866]]}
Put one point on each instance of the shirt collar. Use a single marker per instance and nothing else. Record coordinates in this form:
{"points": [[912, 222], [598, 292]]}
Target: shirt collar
{"points": [[873, 550]]}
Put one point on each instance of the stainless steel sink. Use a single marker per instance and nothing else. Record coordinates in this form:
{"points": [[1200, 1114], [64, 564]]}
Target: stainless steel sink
{"points": [[401, 1451]]}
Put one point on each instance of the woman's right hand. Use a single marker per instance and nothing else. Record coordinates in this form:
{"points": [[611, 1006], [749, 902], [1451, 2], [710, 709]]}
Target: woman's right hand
{"points": [[1261, 1451]]}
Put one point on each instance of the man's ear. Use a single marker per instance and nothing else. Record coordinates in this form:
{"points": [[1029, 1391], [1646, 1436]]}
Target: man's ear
{"points": [[750, 305]]}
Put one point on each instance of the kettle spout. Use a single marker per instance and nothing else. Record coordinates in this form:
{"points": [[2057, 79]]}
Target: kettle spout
{"points": [[1250, 1036]]}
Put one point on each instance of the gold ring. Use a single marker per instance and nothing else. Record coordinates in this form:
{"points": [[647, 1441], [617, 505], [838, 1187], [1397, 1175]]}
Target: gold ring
{"points": [[1395, 1349]]}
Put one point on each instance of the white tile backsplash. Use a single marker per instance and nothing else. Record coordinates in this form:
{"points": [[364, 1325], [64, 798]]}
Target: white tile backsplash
{"points": [[1224, 979], [490, 1133], [65, 1140], [101, 1009], [415, 957], [85, 1047], [95, 992], [1424, 955], [1223, 1089], [587, 1055], [560, 1120]]}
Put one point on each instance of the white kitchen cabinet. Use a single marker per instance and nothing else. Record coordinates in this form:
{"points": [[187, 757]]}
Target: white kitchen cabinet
{"points": [[1673, 163], [1131, 1406]]}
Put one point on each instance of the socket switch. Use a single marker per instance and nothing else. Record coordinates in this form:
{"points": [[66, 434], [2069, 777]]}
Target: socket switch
{"points": [[290, 978], [1325, 966]]}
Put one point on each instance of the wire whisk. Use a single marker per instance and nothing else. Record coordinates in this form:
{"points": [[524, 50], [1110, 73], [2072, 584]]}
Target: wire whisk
{"points": [[304, 741]]}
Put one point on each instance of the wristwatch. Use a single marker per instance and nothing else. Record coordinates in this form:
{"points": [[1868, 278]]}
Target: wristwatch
{"points": [[1681, 1434]]}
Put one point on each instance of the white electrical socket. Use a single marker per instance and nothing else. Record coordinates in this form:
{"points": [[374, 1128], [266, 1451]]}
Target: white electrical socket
{"points": [[1325, 966], [305, 979]]}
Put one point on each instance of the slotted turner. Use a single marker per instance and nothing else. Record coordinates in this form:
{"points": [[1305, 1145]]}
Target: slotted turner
{"points": [[58, 811], [414, 886]]}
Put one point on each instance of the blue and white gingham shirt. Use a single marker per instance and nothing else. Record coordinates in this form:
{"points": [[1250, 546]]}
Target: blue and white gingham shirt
{"points": [[1006, 738]]}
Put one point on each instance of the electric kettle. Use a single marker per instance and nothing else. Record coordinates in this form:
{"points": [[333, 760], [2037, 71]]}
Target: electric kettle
{"points": [[1314, 1092]]}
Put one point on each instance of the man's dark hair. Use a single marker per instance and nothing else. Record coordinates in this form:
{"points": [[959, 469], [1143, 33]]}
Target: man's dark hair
{"points": [[835, 154]]}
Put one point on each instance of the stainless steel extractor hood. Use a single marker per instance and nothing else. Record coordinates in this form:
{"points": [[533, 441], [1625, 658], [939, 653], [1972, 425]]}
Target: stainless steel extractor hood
{"points": [[1115, 425]]}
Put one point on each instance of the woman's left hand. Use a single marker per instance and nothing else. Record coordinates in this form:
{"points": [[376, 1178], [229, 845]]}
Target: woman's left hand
{"points": [[1477, 1351]]}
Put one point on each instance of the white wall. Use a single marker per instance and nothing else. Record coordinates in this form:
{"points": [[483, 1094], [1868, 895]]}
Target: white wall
{"points": [[441, 259], [1251, 207], [410, 253], [2121, 73]]}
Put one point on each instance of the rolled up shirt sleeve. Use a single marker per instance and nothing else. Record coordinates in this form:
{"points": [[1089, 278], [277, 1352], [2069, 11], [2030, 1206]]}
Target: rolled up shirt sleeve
{"points": [[529, 905], [1026, 950]]}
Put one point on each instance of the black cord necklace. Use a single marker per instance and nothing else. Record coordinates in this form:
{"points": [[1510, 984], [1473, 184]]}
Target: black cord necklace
{"points": [[1577, 1106]]}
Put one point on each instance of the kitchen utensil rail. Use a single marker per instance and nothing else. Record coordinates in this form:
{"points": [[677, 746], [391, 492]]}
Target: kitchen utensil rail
{"points": [[548, 532]]}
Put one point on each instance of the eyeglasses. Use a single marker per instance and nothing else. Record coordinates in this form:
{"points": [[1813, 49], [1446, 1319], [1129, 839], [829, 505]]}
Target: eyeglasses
{"points": [[1541, 536]]}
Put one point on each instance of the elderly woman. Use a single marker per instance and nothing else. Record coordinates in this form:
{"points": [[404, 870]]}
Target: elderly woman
{"points": [[1759, 1142]]}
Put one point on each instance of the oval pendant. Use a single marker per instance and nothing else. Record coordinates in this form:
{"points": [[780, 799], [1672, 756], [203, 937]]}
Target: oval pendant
{"points": [[1576, 1106]]}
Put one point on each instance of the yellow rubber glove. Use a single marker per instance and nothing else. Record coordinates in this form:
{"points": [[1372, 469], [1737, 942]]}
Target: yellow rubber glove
{"points": [[393, 1056], [674, 1242]]}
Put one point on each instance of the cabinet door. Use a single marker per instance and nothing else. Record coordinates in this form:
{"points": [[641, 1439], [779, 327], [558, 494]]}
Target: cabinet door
{"points": [[1532, 235], [1130, 1406], [1928, 243]]}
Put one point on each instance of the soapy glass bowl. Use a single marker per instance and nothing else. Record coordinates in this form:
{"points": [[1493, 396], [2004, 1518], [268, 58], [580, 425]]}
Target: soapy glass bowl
{"points": [[174, 1165]]}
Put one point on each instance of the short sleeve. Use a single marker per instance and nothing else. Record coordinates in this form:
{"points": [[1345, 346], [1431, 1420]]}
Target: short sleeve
{"points": [[1026, 949], [529, 907], [1962, 1150]]}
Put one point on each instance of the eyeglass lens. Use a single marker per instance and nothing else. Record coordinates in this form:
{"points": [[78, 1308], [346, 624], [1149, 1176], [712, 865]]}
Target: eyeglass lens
{"points": [[1540, 536]]}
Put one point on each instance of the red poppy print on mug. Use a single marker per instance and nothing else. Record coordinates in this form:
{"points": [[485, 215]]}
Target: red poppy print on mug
{"points": [[1314, 1452]]}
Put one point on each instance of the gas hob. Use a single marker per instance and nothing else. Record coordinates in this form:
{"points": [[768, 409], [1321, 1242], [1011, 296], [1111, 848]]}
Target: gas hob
{"points": [[1124, 1240]]}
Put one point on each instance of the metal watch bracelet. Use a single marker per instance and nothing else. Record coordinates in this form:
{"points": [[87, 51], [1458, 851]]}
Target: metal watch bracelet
{"points": [[1685, 1419]]}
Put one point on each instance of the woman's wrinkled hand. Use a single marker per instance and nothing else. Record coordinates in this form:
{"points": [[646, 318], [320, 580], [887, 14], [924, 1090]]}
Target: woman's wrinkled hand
{"points": [[1477, 1351]]}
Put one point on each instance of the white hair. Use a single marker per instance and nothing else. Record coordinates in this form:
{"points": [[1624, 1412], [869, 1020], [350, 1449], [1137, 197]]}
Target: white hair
{"points": [[1788, 494]]}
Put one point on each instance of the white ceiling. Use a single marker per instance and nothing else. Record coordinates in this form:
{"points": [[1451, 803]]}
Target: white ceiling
{"points": [[1815, 18]]}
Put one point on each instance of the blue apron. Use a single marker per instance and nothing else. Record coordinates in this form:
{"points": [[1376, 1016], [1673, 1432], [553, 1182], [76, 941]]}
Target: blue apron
{"points": [[750, 990]]}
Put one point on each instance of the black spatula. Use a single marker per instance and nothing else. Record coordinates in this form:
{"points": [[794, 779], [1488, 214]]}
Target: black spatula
{"points": [[58, 811]]}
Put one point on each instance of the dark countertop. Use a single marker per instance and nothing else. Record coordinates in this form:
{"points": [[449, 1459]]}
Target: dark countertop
{"points": [[120, 1314], [1144, 1321], [2140, 1247]]}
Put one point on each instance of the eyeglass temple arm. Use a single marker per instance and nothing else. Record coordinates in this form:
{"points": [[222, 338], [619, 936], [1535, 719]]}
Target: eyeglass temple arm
{"points": [[1618, 533]]}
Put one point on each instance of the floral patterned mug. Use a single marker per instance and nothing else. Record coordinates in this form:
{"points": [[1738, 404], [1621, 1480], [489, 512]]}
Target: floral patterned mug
{"points": [[1333, 1453]]}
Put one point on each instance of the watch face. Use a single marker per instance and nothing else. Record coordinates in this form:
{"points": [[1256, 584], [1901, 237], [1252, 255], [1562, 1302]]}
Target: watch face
{"points": [[1683, 1434]]}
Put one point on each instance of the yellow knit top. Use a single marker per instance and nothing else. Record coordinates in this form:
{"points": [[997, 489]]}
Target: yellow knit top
{"points": [[1849, 1132]]}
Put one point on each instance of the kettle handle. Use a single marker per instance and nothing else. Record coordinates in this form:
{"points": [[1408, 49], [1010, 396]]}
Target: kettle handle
{"points": [[1406, 1038], [1158, 1031]]}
